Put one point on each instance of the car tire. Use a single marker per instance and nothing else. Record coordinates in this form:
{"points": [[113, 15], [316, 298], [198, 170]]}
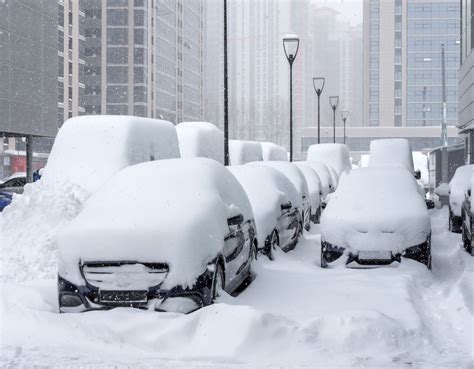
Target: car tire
{"points": [[273, 243], [323, 263], [450, 221], [218, 282]]}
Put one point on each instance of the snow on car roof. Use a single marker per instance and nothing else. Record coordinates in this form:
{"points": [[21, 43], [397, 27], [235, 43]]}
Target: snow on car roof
{"points": [[458, 186], [271, 151], [292, 172], [266, 200], [88, 150], [391, 151], [376, 208], [172, 211], [200, 139], [333, 155], [313, 182], [242, 152]]}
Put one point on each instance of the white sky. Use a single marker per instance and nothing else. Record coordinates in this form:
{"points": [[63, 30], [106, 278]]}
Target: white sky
{"points": [[350, 10]]}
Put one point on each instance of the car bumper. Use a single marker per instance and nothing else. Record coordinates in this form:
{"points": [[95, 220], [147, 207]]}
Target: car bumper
{"points": [[456, 223], [75, 299]]}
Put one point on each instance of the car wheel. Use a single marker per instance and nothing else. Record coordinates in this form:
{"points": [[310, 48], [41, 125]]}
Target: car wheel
{"points": [[272, 245], [323, 261], [218, 282], [450, 222]]}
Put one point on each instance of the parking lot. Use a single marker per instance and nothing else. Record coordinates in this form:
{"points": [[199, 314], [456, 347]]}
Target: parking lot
{"points": [[293, 314]]}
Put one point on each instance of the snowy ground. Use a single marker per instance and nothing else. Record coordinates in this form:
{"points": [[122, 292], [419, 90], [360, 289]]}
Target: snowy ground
{"points": [[294, 315]]}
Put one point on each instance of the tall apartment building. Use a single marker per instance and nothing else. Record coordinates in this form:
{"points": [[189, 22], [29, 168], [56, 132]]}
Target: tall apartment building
{"points": [[402, 58], [70, 59], [144, 58]]}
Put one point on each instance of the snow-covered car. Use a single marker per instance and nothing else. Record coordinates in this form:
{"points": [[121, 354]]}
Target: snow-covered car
{"points": [[14, 183], [457, 191], [275, 203], [200, 139], [375, 217], [5, 200], [327, 184], [186, 232], [466, 218], [90, 149], [294, 174], [335, 156], [271, 151], [392, 152], [314, 189], [242, 152]]}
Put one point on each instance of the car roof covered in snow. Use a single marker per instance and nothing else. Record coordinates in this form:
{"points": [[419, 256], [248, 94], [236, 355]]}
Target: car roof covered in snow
{"points": [[88, 150], [171, 211], [313, 182], [391, 151], [458, 186], [271, 151], [200, 139], [292, 172], [375, 208], [242, 152], [266, 200], [333, 155]]}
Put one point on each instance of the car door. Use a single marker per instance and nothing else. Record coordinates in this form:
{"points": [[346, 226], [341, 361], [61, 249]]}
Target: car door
{"points": [[287, 225], [236, 251]]}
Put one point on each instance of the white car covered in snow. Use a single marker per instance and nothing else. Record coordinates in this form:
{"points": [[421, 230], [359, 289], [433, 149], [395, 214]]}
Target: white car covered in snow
{"points": [[242, 152], [314, 189], [294, 174], [200, 139], [165, 235], [457, 191], [335, 156], [392, 152], [376, 217], [275, 203], [273, 152], [327, 183]]}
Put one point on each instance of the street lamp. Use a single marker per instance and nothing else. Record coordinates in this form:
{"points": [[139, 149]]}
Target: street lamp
{"points": [[291, 44], [334, 101], [344, 116], [318, 84]]}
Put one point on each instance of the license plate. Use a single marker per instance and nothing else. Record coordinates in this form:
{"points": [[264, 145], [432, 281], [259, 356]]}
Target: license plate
{"points": [[120, 297], [375, 255]]}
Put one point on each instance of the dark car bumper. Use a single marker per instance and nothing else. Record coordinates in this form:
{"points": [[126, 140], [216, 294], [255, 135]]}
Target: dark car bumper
{"points": [[455, 223], [86, 297]]}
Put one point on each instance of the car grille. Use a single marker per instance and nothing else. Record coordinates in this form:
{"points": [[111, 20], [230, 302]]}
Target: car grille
{"points": [[124, 276]]}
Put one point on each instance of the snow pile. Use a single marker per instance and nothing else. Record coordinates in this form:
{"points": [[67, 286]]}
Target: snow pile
{"points": [[458, 186], [273, 152], [28, 228], [333, 155], [376, 209], [173, 211], [266, 200], [242, 152], [323, 173], [314, 185], [88, 150], [200, 139], [420, 162], [391, 151], [292, 172]]}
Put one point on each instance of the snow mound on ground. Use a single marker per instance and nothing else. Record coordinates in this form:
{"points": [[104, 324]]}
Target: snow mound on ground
{"points": [[28, 227], [172, 211], [266, 200], [333, 155], [458, 186], [88, 150], [271, 151], [391, 151], [242, 152], [200, 139]]}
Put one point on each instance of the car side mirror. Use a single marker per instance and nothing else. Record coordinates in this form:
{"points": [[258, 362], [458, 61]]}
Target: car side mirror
{"points": [[417, 174], [286, 206], [235, 220]]}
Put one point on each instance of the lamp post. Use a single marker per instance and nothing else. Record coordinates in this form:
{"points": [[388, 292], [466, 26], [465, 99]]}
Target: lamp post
{"points": [[344, 116], [318, 84], [226, 92], [291, 44], [334, 101]]}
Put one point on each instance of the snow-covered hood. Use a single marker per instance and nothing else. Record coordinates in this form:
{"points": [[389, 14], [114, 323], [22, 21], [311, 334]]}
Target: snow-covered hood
{"points": [[458, 186], [376, 209], [171, 211]]}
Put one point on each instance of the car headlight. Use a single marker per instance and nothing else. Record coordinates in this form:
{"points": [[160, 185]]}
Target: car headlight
{"points": [[331, 252], [70, 300]]}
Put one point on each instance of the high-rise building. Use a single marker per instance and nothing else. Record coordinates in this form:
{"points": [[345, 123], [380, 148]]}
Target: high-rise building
{"points": [[402, 51], [144, 58]]}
